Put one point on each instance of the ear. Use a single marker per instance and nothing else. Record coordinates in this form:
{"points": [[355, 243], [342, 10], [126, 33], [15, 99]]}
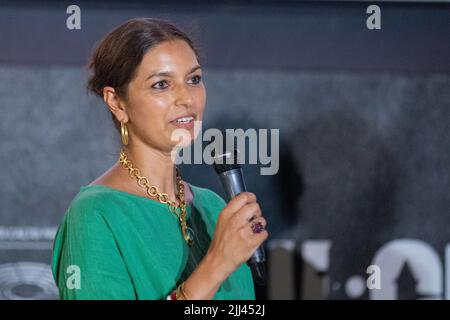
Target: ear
{"points": [[115, 104]]}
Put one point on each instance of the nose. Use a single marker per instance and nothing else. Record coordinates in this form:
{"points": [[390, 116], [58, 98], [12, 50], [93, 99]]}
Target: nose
{"points": [[184, 97]]}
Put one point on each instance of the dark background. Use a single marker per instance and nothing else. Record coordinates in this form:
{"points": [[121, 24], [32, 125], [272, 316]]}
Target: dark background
{"points": [[364, 119]]}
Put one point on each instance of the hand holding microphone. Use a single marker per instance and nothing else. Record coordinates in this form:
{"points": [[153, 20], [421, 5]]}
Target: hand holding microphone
{"points": [[240, 230], [238, 236]]}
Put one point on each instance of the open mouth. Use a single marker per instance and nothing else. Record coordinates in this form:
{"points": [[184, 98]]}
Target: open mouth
{"points": [[184, 120]]}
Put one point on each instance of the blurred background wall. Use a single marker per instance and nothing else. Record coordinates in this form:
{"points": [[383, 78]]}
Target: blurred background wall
{"points": [[364, 119]]}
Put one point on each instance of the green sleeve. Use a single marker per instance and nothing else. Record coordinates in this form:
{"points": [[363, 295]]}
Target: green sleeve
{"points": [[85, 240]]}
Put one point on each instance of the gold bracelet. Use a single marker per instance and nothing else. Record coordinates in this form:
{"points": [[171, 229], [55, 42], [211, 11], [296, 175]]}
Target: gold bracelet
{"points": [[180, 293], [184, 291]]}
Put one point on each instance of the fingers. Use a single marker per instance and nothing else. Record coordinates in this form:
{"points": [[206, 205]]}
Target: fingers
{"points": [[260, 219], [256, 239], [238, 202], [247, 228], [248, 213]]}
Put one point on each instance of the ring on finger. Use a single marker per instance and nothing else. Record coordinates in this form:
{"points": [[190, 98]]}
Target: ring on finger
{"points": [[257, 227]]}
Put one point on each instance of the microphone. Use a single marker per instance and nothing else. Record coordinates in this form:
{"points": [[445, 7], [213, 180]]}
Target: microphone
{"points": [[227, 167]]}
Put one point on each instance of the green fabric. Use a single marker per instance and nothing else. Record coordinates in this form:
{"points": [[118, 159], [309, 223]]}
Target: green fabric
{"points": [[131, 247]]}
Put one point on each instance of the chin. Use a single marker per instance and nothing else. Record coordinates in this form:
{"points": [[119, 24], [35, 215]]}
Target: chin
{"points": [[183, 139]]}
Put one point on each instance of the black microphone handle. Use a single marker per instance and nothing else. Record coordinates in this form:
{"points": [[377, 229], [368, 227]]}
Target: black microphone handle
{"points": [[233, 184]]}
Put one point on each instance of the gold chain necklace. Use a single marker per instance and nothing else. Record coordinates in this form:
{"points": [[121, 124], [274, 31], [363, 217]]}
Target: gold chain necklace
{"points": [[152, 191]]}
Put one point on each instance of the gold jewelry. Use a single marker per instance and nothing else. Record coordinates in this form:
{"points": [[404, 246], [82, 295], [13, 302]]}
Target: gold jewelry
{"points": [[124, 133], [188, 233], [181, 293]]}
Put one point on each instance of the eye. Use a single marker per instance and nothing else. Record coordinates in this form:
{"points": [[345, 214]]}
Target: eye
{"points": [[196, 79], [159, 84]]}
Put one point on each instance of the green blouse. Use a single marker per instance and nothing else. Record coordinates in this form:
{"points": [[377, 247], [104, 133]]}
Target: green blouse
{"points": [[124, 246]]}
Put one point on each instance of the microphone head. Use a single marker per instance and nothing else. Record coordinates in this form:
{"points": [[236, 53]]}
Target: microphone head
{"points": [[225, 154]]}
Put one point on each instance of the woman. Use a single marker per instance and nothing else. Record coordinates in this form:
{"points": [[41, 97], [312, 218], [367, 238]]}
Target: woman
{"points": [[139, 231]]}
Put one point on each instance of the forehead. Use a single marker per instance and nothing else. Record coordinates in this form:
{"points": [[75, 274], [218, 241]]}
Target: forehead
{"points": [[174, 56]]}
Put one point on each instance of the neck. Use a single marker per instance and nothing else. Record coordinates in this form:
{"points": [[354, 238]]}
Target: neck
{"points": [[157, 166]]}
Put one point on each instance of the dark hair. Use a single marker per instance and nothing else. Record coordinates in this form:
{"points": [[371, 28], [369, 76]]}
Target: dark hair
{"points": [[116, 58]]}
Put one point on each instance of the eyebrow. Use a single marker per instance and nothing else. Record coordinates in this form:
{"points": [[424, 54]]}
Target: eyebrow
{"points": [[168, 74]]}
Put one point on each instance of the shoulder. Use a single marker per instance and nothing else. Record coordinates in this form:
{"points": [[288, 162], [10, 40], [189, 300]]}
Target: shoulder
{"points": [[85, 226], [98, 198], [87, 239], [93, 206]]}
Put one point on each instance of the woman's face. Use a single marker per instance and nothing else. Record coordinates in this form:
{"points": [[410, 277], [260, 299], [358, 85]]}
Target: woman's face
{"points": [[168, 86]]}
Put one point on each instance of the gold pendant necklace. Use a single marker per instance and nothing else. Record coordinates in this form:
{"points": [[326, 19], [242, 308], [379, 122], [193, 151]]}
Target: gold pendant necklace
{"points": [[152, 191]]}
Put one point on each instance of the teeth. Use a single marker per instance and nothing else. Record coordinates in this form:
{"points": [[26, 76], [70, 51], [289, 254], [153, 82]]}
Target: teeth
{"points": [[184, 119]]}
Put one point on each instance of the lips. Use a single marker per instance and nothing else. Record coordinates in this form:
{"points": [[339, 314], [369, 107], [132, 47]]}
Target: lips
{"points": [[184, 125], [184, 119]]}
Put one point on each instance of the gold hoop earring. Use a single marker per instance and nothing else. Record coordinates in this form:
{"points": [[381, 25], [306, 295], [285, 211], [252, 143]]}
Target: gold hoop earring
{"points": [[124, 133]]}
